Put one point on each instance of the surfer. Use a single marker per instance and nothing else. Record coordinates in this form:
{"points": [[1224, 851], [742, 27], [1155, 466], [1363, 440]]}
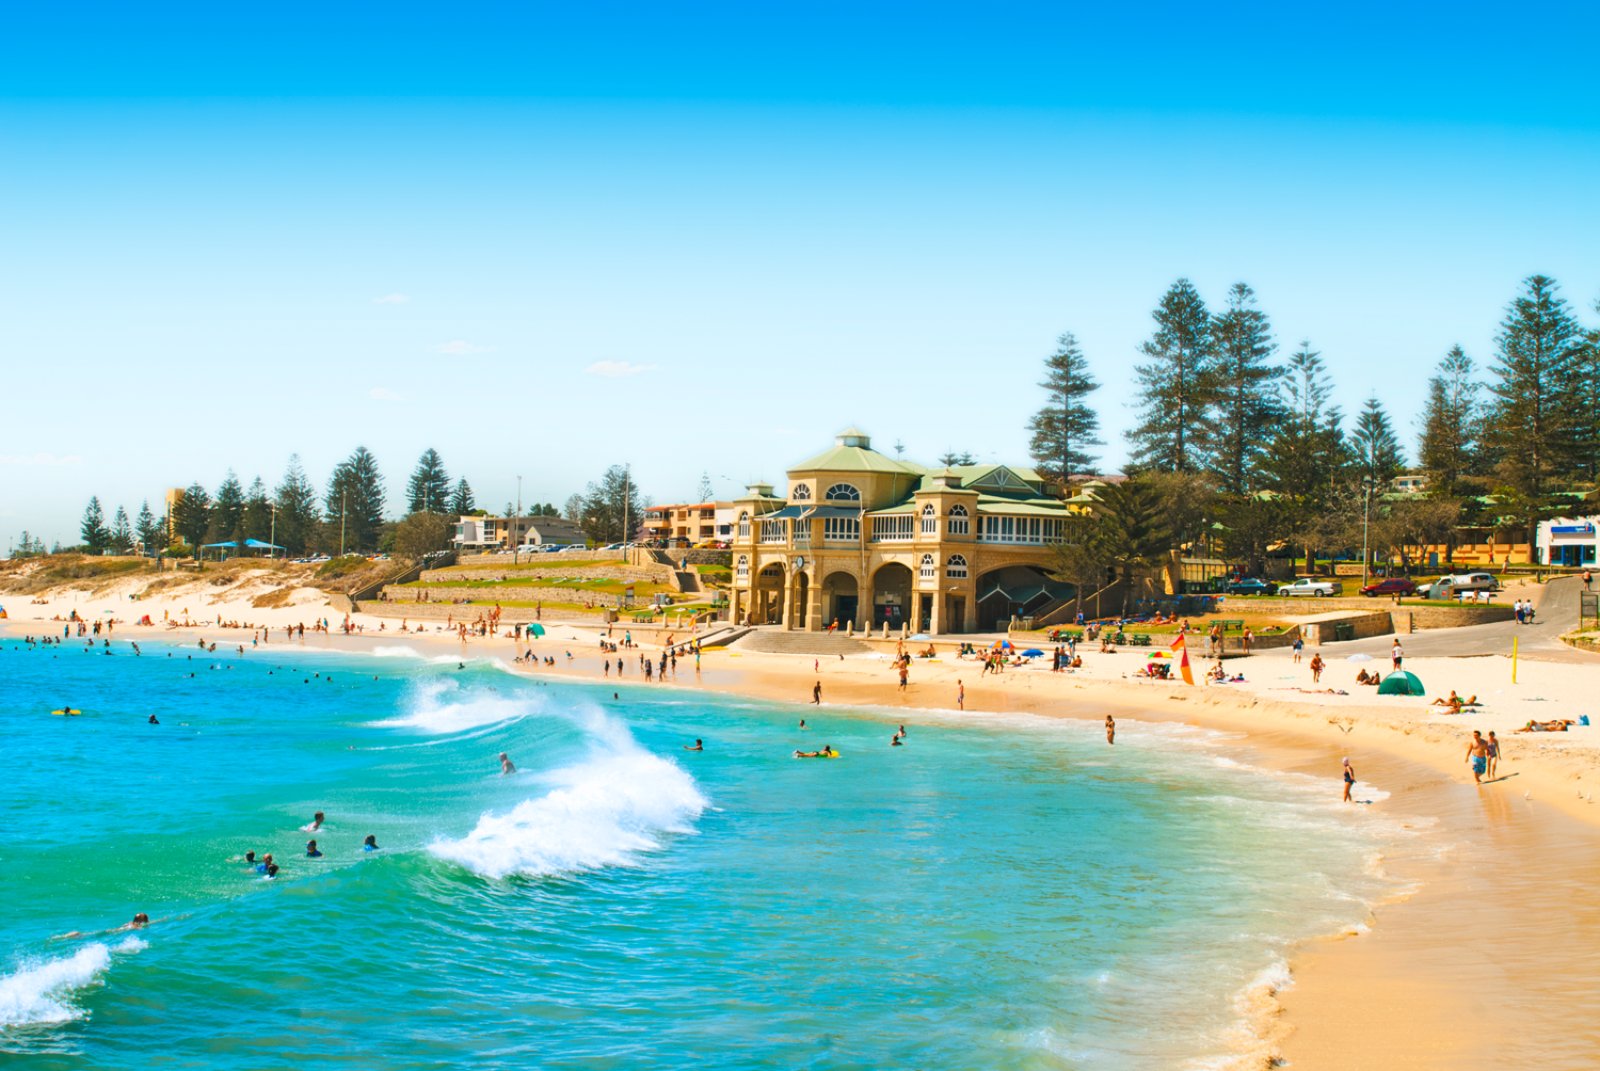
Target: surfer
{"points": [[153, 720], [698, 746], [370, 844], [506, 765]]}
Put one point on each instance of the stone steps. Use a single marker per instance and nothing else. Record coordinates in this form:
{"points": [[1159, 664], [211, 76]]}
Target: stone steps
{"points": [[779, 641]]}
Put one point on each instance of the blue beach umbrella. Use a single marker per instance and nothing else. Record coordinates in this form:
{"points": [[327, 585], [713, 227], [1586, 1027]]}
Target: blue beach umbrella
{"points": [[1032, 652]]}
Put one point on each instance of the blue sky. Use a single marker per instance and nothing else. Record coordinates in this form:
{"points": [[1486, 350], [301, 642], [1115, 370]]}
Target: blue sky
{"points": [[545, 239]]}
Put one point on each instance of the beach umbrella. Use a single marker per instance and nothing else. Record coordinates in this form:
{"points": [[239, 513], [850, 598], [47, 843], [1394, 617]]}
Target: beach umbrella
{"points": [[1032, 652], [1002, 645], [1158, 654], [1401, 683], [536, 630], [1358, 658]]}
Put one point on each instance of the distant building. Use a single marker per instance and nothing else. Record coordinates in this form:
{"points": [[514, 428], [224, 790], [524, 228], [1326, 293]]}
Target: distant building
{"points": [[1413, 483], [682, 524], [866, 539], [172, 497], [493, 533], [1568, 541]]}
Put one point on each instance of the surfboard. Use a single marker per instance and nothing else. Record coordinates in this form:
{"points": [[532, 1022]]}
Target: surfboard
{"points": [[66, 712]]}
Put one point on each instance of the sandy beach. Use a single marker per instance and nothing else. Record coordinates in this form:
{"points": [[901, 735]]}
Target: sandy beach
{"points": [[1487, 961]]}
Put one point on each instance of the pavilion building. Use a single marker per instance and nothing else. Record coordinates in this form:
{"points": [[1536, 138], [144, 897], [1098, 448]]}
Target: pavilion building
{"points": [[865, 540]]}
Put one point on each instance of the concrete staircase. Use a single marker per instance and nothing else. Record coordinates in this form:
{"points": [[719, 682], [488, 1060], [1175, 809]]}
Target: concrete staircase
{"points": [[814, 644]]}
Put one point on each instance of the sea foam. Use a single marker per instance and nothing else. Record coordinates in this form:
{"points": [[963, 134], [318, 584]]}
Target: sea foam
{"points": [[41, 991], [443, 707], [602, 811]]}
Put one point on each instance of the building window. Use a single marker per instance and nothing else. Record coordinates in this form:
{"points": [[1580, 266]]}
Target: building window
{"points": [[801, 492], [774, 532], [956, 567], [930, 568], [959, 522], [894, 528], [842, 492], [841, 530], [744, 526], [1003, 529], [930, 520], [743, 570]]}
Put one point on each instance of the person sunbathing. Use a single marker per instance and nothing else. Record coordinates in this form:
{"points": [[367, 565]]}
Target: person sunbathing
{"points": [[1558, 725], [1362, 678], [1453, 701]]}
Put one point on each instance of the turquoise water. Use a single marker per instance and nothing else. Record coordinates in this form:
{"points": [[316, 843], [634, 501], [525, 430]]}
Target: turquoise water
{"points": [[1003, 894]]}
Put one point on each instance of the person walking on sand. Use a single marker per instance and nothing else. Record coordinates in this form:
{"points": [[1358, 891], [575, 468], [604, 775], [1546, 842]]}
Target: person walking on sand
{"points": [[1111, 729], [1316, 668], [816, 694], [961, 695], [1349, 778], [1494, 755], [1298, 646], [1478, 756], [1397, 654]]}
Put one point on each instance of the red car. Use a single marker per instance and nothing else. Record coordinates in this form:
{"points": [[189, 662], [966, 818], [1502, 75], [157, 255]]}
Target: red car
{"points": [[1394, 585]]}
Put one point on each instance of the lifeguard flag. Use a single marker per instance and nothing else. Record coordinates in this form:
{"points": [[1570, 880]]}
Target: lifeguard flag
{"points": [[1183, 655]]}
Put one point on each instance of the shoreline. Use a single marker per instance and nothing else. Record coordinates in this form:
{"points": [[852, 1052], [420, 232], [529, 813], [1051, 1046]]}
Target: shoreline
{"points": [[1396, 997]]}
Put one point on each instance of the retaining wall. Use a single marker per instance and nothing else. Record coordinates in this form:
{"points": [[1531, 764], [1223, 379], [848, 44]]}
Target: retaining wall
{"points": [[1377, 623]]}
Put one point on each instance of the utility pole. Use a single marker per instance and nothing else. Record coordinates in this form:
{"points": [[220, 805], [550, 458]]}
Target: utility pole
{"points": [[1366, 513], [627, 493], [342, 514], [515, 523], [273, 538]]}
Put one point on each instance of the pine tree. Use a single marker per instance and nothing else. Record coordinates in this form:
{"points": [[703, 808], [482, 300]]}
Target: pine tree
{"points": [[952, 458], [255, 522], [355, 502], [1532, 425], [428, 490], [191, 516], [611, 506], [121, 532], [145, 528], [1305, 457], [461, 500], [95, 535], [1067, 424], [1177, 385], [1245, 396], [227, 509], [297, 510], [1374, 448], [1447, 447]]}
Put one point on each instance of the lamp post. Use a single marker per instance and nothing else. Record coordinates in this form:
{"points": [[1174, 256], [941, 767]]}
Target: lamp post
{"points": [[515, 553], [273, 537], [1366, 520]]}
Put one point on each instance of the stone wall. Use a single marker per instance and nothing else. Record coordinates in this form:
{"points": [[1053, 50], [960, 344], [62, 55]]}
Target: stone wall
{"points": [[1376, 623], [1416, 618], [651, 573]]}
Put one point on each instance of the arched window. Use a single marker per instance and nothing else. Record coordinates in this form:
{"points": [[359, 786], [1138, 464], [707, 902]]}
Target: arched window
{"points": [[930, 520], [958, 520], [843, 492], [930, 568], [744, 525], [801, 492], [956, 567], [743, 571]]}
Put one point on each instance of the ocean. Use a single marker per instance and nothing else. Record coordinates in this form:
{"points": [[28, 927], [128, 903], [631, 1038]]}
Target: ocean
{"points": [[1000, 892]]}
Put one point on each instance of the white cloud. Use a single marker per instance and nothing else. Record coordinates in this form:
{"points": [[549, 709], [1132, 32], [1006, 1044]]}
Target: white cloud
{"points": [[383, 394], [618, 369], [460, 348], [392, 299], [40, 459]]}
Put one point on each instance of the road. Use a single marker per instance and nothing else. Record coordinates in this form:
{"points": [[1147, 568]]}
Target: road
{"points": [[1556, 611]]}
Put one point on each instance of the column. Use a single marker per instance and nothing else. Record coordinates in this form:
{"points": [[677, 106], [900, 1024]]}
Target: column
{"points": [[916, 607], [936, 626], [788, 596], [814, 622], [971, 605]]}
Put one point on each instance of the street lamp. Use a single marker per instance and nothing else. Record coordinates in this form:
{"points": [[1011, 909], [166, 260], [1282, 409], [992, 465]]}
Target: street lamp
{"points": [[1366, 520], [515, 523]]}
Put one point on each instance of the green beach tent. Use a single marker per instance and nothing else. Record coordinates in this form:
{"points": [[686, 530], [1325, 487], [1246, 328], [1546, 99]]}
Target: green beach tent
{"points": [[1401, 683]]}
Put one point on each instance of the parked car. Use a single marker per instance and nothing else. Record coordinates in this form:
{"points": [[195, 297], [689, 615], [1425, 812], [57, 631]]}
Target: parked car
{"points": [[1448, 587], [1393, 585], [1308, 585], [1252, 585]]}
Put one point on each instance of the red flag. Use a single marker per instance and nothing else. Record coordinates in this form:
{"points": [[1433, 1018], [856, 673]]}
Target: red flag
{"points": [[1183, 662]]}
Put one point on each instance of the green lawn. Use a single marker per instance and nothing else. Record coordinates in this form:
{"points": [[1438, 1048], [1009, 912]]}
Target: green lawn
{"points": [[602, 585]]}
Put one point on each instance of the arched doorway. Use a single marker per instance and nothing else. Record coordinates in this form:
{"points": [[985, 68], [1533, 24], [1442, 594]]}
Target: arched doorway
{"points": [[1016, 591], [766, 595], [891, 595], [840, 600]]}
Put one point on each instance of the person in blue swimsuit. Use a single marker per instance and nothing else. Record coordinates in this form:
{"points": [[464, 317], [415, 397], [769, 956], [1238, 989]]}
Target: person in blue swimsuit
{"points": [[370, 844], [312, 851]]}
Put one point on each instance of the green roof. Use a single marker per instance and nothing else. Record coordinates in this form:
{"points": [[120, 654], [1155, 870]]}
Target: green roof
{"points": [[839, 458]]}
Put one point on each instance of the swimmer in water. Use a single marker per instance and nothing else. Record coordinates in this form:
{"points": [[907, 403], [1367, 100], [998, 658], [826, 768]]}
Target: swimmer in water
{"points": [[153, 720], [139, 922], [266, 862], [314, 825], [370, 844], [250, 860], [506, 765], [698, 746], [312, 852], [894, 741], [271, 871]]}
